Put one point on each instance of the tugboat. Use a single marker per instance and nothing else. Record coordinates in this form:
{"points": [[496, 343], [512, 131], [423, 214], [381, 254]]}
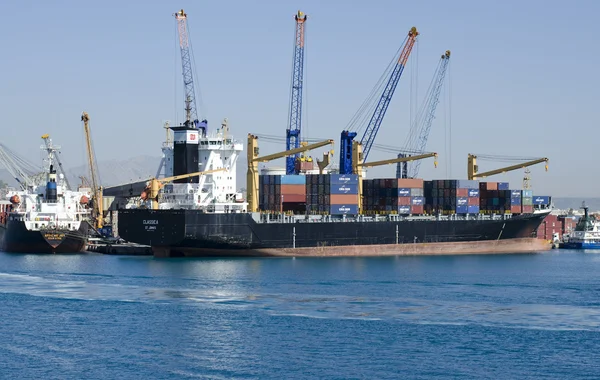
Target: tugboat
{"points": [[586, 234]]}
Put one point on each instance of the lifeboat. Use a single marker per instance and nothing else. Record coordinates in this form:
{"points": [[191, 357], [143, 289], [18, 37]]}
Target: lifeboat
{"points": [[15, 199]]}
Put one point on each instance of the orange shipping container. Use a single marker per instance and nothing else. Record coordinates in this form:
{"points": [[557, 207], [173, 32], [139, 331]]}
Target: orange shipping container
{"points": [[293, 189], [410, 182], [296, 198], [340, 199]]}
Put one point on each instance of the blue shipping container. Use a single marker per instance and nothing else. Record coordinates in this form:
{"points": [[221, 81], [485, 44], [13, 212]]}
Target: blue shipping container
{"points": [[515, 201], [527, 193], [541, 200], [503, 186], [467, 184], [473, 209], [404, 210], [343, 188], [291, 179], [473, 193], [417, 201], [404, 192], [344, 178], [343, 209], [462, 209], [462, 201], [515, 193]]}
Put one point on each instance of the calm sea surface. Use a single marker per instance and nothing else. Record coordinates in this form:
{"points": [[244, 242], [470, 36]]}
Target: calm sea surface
{"points": [[499, 317]]}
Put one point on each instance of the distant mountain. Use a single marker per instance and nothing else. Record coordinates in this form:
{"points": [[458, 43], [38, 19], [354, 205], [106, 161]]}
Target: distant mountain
{"points": [[111, 172]]}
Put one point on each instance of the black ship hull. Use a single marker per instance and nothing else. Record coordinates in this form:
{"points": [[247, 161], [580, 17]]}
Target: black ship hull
{"points": [[193, 233], [16, 238]]}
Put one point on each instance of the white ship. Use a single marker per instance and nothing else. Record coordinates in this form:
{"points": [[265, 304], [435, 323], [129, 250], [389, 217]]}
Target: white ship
{"points": [[44, 216]]}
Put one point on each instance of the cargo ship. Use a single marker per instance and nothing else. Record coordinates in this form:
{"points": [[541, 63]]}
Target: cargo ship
{"points": [[45, 217], [319, 214]]}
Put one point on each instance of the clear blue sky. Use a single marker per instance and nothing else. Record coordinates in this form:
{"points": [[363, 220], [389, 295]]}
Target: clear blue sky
{"points": [[523, 73]]}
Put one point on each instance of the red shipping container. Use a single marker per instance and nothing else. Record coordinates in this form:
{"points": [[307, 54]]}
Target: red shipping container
{"points": [[462, 192], [403, 201], [294, 198], [416, 210], [515, 209], [473, 201], [347, 199], [527, 209], [293, 189]]}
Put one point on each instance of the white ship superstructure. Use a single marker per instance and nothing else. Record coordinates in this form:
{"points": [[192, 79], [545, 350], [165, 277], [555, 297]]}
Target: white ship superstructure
{"points": [[195, 150]]}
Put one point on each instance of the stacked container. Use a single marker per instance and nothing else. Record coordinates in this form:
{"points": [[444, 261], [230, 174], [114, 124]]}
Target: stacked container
{"points": [[515, 201], [527, 202], [282, 193], [452, 196], [495, 197], [393, 196], [334, 194]]}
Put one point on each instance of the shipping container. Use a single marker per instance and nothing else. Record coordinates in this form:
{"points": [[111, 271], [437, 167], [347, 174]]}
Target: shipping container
{"points": [[462, 201], [527, 209], [293, 198], [467, 184], [343, 188], [409, 182], [527, 201], [404, 192], [527, 193], [515, 194], [293, 189], [515, 201], [462, 209], [417, 192], [404, 201], [503, 185], [416, 209], [473, 209], [473, 201], [515, 209], [462, 192], [417, 201], [541, 200], [473, 193], [343, 209], [404, 210], [343, 178], [343, 199]]}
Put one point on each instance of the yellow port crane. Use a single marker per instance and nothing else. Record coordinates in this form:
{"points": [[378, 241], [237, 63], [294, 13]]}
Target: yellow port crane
{"points": [[155, 185], [98, 210], [254, 159], [358, 164], [473, 168]]}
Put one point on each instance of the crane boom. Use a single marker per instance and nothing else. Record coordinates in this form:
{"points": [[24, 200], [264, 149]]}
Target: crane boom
{"points": [[473, 174], [191, 113], [376, 119], [295, 117], [420, 132], [96, 188]]}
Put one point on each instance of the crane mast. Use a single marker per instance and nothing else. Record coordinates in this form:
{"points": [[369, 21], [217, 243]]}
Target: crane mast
{"points": [[384, 101], [191, 113], [292, 137], [417, 139]]}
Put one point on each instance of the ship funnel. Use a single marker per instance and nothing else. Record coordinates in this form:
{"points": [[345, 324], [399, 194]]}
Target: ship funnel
{"points": [[51, 191]]}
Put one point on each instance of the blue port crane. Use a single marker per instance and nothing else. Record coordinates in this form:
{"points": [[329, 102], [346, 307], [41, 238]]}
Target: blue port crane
{"points": [[191, 113], [372, 128], [292, 135], [419, 132]]}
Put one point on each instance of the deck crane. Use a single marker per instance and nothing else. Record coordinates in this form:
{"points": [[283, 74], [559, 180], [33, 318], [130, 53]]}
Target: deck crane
{"points": [[191, 113], [23, 172], [98, 211], [292, 135], [358, 163], [347, 137], [473, 168], [254, 159], [51, 149], [419, 133]]}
